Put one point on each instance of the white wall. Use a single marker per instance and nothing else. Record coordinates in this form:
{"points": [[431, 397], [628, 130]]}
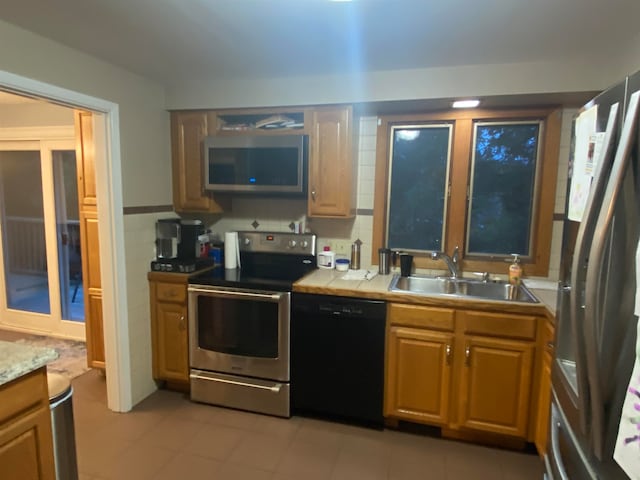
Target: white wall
{"points": [[145, 156], [476, 80]]}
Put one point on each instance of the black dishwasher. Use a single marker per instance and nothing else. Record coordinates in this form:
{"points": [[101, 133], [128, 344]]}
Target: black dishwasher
{"points": [[337, 357]]}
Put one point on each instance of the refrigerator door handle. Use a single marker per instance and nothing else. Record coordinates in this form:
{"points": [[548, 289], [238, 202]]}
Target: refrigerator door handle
{"points": [[578, 269], [593, 308]]}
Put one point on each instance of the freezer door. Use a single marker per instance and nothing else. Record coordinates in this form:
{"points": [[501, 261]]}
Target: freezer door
{"points": [[565, 458], [570, 369], [610, 287]]}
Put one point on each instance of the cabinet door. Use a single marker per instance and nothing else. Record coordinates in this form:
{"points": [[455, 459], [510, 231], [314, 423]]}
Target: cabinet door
{"points": [[26, 448], [544, 391], [544, 406], [496, 385], [418, 375], [26, 443], [330, 163], [188, 130], [171, 344], [89, 239]]}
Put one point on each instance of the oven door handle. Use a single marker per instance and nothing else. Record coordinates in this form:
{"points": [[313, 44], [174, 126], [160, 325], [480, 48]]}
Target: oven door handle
{"points": [[235, 294], [274, 388]]}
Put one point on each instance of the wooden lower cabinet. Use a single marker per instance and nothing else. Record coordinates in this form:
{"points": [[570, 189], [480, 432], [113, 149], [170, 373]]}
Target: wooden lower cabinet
{"points": [[461, 370], [170, 340], [541, 428], [419, 378], [26, 443], [495, 385]]}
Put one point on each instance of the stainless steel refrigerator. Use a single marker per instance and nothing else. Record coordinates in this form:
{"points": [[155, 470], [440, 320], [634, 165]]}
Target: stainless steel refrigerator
{"points": [[595, 323]]}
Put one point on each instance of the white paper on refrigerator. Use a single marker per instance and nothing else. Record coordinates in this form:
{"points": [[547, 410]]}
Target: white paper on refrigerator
{"points": [[583, 163]]}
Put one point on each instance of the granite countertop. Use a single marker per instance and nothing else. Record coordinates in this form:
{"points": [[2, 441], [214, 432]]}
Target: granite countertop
{"points": [[332, 282], [17, 359]]}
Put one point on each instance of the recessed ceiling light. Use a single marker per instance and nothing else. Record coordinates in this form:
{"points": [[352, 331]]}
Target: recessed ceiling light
{"points": [[466, 103]]}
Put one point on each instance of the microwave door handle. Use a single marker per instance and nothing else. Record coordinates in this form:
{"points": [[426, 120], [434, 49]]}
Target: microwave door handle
{"points": [[237, 294], [593, 309], [576, 291]]}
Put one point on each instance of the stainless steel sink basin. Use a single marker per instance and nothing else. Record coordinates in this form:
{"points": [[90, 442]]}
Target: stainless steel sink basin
{"points": [[461, 288]]}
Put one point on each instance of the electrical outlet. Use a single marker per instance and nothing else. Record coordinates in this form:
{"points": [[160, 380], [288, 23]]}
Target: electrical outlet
{"points": [[341, 247]]}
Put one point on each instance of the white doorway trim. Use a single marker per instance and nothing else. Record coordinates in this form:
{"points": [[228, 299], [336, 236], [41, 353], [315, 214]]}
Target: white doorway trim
{"points": [[110, 226]]}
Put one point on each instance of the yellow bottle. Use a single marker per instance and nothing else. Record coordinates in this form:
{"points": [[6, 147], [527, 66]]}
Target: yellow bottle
{"points": [[515, 270]]}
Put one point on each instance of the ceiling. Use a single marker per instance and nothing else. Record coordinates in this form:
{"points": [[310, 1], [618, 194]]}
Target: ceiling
{"points": [[175, 41]]}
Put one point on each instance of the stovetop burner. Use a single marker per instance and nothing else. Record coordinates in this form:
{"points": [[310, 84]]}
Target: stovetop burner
{"points": [[269, 261]]}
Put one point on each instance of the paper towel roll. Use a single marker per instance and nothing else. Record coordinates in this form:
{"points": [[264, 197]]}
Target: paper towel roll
{"points": [[231, 252]]}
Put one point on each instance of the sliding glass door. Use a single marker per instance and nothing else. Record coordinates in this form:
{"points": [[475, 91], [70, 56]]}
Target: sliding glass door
{"points": [[41, 275]]}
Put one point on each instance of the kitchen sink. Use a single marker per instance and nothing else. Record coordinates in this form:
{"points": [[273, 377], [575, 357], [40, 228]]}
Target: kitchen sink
{"points": [[461, 288]]}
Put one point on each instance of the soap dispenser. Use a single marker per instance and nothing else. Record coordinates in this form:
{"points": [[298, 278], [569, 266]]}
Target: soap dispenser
{"points": [[515, 270]]}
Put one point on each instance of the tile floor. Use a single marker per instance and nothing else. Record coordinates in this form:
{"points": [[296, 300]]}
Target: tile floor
{"points": [[168, 437]]}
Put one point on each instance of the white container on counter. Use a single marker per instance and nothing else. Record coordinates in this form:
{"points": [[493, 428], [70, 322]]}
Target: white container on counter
{"points": [[326, 259], [342, 264]]}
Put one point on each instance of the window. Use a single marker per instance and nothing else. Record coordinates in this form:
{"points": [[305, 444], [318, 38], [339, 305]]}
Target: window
{"points": [[503, 171], [480, 180], [418, 177]]}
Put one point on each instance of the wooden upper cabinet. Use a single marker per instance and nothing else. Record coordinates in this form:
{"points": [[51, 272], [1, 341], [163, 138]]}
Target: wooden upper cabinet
{"points": [[495, 385], [188, 130], [331, 162]]}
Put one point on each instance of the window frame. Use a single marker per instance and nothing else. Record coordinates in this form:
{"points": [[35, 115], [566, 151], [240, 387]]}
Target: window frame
{"points": [[456, 216], [446, 180]]}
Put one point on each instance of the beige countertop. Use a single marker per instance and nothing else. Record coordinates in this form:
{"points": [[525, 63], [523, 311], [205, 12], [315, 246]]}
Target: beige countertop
{"points": [[332, 282]]}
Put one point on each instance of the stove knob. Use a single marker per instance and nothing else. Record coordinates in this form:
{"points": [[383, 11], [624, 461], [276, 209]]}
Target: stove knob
{"points": [[247, 241], [292, 243], [304, 244]]}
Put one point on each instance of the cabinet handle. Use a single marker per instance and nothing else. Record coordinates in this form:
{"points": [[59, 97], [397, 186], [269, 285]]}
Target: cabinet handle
{"points": [[550, 346], [467, 355], [181, 325], [313, 195], [448, 354]]}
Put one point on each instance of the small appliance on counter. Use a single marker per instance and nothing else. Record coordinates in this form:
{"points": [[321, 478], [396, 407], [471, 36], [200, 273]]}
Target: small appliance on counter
{"points": [[178, 246]]}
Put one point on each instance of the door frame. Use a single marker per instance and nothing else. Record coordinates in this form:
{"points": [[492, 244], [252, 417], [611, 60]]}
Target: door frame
{"points": [[110, 226]]}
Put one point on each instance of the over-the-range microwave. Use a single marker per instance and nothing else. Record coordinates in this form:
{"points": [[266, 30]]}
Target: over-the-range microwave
{"points": [[256, 164]]}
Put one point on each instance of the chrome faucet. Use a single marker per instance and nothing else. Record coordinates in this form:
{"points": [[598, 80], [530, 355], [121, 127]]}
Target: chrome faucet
{"points": [[452, 261]]}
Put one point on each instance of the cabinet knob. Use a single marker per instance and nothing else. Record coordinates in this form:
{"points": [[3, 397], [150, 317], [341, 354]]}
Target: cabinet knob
{"points": [[448, 354], [313, 195], [181, 324], [467, 356]]}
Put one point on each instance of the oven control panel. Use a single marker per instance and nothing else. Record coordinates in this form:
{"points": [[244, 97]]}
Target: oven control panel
{"points": [[278, 242]]}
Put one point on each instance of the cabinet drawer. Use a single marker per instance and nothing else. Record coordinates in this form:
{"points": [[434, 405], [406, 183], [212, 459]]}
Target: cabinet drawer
{"points": [[171, 292], [419, 316], [498, 324], [24, 394]]}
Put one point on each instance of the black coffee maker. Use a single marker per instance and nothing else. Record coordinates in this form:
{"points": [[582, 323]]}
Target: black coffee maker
{"points": [[178, 245]]}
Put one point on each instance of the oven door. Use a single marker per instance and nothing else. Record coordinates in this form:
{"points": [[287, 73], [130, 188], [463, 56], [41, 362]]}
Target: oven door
{"points": [[239, 332]]}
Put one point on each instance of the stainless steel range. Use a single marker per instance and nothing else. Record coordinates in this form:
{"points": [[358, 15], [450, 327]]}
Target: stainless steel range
{"points": [[239, 323]]}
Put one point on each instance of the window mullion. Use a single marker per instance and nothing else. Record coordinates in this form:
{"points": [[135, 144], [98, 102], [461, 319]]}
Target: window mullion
{"points": [[459, 181]]}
